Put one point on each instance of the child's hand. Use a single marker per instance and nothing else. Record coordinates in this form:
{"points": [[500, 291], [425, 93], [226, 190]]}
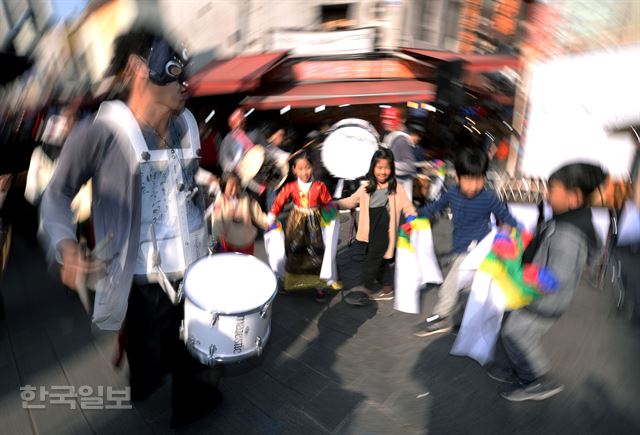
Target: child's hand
{"points": [[270, 220], [505, 229]]}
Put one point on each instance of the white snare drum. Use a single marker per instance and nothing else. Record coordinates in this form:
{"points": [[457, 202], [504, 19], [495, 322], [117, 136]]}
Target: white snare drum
{"points": [[260, 165], [251, 163], [227, 308]]}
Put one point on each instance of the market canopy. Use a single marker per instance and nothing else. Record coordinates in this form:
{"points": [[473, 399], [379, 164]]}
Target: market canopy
{"points": [[337, 93], [474, 63], [238, 74]]}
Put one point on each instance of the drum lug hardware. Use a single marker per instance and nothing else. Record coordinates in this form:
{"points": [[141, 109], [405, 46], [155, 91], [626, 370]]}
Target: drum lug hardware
{"points": [[212, 351], [181, 329], [214, 319], [259, 345], [264, 310], [192, 343], [180, 293]]}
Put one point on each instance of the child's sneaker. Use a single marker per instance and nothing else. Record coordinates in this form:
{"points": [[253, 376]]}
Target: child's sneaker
{"points": [[383, 296], [536, 390], [335, 285], [433, 325], [504, 375], [321, 296]]}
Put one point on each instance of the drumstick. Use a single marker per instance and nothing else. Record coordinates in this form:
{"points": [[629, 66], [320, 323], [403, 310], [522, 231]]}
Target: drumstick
{"points": [[81, 283], [311, 142], [102, 244]]}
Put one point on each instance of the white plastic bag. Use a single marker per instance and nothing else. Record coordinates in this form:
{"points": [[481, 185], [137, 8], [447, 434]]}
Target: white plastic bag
{"points": [[482, 320], [274, 246]]}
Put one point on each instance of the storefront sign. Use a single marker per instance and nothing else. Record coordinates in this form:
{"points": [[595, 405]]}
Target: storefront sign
{"points": [[302, 43], [357, 69]]}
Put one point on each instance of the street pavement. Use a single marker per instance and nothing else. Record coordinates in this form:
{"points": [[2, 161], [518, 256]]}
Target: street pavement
{"points": [[329, 368]]}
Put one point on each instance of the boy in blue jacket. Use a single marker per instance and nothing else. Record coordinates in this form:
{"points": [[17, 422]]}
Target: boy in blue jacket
{"points": [[471, 207]]}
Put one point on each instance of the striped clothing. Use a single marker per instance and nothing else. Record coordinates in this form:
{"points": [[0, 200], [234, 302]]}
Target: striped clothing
{"points": [[471, 216]]}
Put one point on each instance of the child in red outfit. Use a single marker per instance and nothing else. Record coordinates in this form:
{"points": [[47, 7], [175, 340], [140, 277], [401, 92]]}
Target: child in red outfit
{"points": [[304, 246]]}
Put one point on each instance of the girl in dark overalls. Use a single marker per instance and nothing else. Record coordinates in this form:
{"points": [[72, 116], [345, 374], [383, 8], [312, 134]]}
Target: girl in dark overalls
{"points": [[382, 201]]}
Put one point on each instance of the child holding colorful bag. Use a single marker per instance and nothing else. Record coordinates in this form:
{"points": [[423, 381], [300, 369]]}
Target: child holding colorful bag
{"points": [[471, 207], [563, 245]]}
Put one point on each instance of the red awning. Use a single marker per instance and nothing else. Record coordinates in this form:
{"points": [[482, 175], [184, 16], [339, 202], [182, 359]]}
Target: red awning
{"points": [[336, 93], [239, 74], [476, 63]]}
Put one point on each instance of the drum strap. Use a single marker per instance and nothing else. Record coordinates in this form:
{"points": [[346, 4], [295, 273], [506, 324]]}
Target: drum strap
{"points": [[243, 140], [388, 140]]}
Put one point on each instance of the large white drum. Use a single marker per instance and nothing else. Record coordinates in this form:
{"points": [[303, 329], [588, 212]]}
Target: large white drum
{"points": [[348, 148], [227, 307]]}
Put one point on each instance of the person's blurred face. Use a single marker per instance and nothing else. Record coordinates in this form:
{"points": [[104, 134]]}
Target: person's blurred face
{"points": [[416, 138], [388, 124], [173, 95], [232, 187], [562, 199], [470, 185], [382, 171], [303, 170], [277, 138]]}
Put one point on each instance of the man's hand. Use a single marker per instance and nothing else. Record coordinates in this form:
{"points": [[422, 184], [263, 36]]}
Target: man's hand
{"points": [[5, 182], [76, 265], [214, 185]]}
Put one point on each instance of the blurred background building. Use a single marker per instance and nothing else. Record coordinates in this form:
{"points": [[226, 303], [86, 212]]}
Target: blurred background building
{"points": [[77, 49]]}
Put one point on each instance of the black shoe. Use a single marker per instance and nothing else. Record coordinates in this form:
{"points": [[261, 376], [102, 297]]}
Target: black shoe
{"points": [[357, 298], [185, 416], [504, 375], [536, 390], [434, 325], [321, 296]]}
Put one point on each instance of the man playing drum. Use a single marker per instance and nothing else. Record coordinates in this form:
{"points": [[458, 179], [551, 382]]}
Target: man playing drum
{"points": [[142, 157], [237, 153], [401, 141]]}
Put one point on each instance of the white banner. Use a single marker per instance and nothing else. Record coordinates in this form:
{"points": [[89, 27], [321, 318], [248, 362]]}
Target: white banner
{"points": [[576, 105], [303, 43]]}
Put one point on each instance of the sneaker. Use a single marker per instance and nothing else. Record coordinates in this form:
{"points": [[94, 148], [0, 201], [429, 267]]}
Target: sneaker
{"points": [[357, 298], [382, 296], [434, 325], [534, 391], [336, 285], [321, 296], [504, 375]]}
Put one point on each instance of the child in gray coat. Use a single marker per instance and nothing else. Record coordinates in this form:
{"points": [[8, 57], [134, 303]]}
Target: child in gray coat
{"points": [[565, 244]]}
